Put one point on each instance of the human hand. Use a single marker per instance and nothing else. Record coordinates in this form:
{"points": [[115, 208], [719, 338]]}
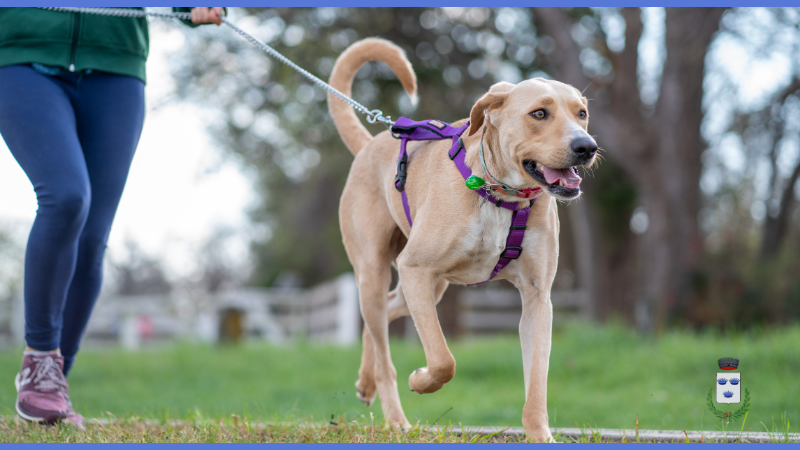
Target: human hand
{"points": [[203, 15]]}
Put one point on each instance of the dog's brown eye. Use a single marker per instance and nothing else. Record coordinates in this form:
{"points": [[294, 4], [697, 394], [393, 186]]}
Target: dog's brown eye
{"points": [[582, 114], [539, 114]]}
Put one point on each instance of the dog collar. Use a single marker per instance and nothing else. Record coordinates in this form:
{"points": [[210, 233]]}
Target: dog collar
{"points": [[490, 183]]}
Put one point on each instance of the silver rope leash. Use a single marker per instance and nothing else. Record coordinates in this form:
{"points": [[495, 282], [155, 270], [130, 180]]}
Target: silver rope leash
{"points": [[373, 116]]}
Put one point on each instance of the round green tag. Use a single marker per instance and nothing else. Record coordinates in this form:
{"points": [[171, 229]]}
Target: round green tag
{"points": [[475, 182]]}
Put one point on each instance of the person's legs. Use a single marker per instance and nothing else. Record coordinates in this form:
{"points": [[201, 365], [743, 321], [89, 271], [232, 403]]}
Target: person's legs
{"points": [[110, 113], [37, 121]]}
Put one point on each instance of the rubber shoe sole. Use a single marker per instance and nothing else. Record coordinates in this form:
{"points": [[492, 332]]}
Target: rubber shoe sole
{"points": [[21, 413]]}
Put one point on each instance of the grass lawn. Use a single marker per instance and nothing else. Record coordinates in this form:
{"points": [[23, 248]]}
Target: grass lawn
{"points": [[234, 430], [599, 376]]}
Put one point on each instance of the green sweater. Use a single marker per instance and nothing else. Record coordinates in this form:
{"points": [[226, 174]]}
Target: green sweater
{"points": [[75, 41]]}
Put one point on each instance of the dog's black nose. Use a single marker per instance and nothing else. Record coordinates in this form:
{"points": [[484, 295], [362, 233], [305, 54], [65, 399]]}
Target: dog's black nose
{"points": [[584, 147]]}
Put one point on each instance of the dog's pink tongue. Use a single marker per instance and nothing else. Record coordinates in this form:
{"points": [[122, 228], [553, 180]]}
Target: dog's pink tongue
{"points": [[571, 179]]}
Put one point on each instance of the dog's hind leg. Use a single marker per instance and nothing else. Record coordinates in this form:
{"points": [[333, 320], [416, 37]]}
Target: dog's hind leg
{"points": [[374, 309], [366, 389], [422, 292], [365, 386], [367, 238]]}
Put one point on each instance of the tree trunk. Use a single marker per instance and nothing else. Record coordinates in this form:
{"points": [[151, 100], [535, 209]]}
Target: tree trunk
{"points": [[775, 227], [672, 251], [584, 254], [660, 152]]}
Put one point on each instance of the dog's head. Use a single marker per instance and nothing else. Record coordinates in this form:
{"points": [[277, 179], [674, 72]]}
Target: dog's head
{"points": [[536, 135]]}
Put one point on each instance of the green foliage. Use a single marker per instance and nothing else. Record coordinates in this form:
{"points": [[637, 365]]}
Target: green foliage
{"points": [[722, 415], [738, 290]]}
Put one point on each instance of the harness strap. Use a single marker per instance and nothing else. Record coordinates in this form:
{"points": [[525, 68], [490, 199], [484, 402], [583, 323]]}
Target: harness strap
{"points": [[426, 130], [516, 234], [408, 130], [400, 178]]}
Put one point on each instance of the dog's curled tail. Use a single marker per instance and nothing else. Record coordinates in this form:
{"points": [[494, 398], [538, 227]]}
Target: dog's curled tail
{"points": [[354, 134]]}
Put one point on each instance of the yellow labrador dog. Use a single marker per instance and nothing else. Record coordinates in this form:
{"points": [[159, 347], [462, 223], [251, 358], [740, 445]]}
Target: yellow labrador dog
{"points": [[533, 136]]}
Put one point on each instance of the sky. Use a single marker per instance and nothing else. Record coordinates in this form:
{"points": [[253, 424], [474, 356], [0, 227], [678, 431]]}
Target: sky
{"points": [[180, 188]]}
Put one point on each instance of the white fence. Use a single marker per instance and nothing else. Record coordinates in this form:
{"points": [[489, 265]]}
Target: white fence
{"points": [[328, 312], [487, 311]]}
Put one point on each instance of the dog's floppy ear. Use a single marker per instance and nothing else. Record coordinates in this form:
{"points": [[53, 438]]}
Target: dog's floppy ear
{"points": [[476, 116], [496, 96]]}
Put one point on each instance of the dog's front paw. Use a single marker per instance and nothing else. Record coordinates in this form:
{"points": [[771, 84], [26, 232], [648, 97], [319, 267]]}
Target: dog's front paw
{"points": [[422, 382]]}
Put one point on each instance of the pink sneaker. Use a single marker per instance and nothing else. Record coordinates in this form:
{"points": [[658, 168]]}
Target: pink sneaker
{"points": [[42, 391], [73, 418]]}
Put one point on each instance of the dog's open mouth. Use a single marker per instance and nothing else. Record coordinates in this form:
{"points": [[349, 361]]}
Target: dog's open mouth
{"points": [[562, 183]]}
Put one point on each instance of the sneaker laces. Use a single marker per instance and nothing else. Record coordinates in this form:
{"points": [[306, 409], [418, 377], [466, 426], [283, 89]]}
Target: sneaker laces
{"points": [[47, 374]]}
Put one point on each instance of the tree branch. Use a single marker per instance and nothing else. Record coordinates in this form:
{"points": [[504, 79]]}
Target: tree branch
{"points": [[624, 88], [555, 23]]}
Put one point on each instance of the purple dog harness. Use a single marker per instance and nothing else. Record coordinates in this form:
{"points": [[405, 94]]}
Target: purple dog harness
{"points": [[406, 130]]}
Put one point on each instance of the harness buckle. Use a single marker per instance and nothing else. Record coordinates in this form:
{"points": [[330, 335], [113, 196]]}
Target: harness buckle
{"points": [[519, 227], [512, 248], [459, 147], [400, 177]]}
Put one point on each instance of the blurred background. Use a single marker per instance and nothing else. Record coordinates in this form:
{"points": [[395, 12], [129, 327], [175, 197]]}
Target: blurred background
{"points": [[684, 245]]}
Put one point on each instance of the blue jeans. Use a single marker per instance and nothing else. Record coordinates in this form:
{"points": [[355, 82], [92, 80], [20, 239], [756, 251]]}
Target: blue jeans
{"points": [[74, 135]]}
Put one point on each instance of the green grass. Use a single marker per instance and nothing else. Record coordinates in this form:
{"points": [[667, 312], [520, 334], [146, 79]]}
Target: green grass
{"points": [[236, 431], [341, 430], [599, 376]]}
